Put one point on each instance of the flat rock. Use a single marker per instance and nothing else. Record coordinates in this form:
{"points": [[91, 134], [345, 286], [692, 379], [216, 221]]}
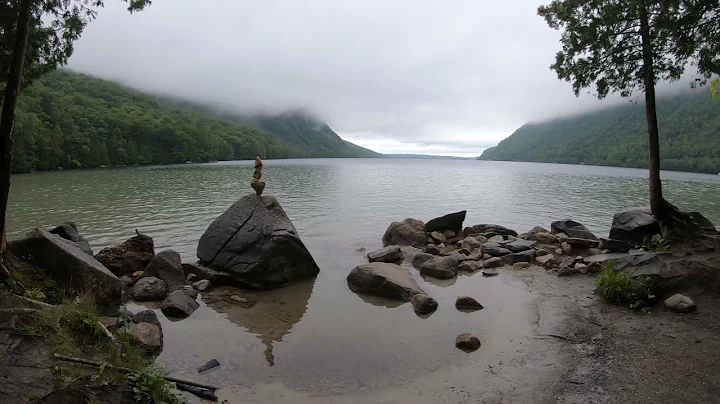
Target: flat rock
{"points": [[167, 265], [409, 232], [572, 229], [178, 305], [423, 304], [582, 242], [489, 228], [523, 256], [438, 237], [149, 289], [521, 265], [129, 257], [680, 304], [383, 279], [633, 225], [390, 253], [494, 249], [69, 231], [467, 304], [440, 267], [489, 272], [467, 342], [451, 221], [70, 266], [255, 243], [518, 245], [470, 266], [494, 262]]}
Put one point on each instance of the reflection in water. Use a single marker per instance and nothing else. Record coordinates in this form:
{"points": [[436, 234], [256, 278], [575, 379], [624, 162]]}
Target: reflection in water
{"points": [[272, 313], [380, 301]]}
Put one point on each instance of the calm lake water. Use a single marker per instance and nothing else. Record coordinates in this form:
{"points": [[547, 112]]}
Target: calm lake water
{"points": [[317, 339]]}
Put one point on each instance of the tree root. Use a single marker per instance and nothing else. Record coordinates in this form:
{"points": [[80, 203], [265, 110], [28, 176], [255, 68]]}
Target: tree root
{"points": [[680, 229]]}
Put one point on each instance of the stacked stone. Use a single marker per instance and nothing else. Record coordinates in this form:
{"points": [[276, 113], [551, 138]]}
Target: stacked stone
{"points": [[257, 184]]}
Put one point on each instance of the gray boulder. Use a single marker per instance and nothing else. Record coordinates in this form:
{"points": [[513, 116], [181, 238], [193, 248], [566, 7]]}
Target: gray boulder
{"points": [[494, 249], [546, 238], [70, 266], [632, 226], [616, 245], [149, 289], [179, 305], [127, 281], [409, 232], [423, 304], [391, 253], [522, 256], [518, 245], [257, 245], [532, 234], [494, 262], [432, 249], [383, 279], [572, 229], [471, 243], [147, 316], [470, 266], [167, 265], [69, 231], [451, 221], [440, 268], [680, 304], [129, 257], [467, 303], [421, 258]]}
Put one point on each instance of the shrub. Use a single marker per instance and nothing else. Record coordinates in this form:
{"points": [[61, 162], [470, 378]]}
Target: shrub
{"points": [[622, 289]]}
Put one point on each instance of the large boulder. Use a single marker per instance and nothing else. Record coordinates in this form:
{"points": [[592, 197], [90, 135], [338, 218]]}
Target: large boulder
{"points": [[382, 279], [70, 266], [523, 256], [572, 229], [409, 232], [489, 229], [256, 243], [179, 305], [451, 221], [440, 267], [167, 265], [129, 257], [149, 289], [632, 226], [68, 231]]}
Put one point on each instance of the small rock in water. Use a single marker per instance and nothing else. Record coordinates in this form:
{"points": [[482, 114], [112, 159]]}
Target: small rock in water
{"points": [[489, 272], [470, 266], [467, 342], [432, 249], [467, 303], [149, 289], [421, 258], [439, 237], [213, 363], [680, 304], [361, 249], [423, 304], [566, 248], [521, 265], [178, 305], [390, 253], [146, 316], [440, 267], [202, 285]]}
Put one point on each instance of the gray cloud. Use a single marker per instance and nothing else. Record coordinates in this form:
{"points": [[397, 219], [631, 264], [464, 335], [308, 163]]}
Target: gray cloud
{"points": [[447, 77]]}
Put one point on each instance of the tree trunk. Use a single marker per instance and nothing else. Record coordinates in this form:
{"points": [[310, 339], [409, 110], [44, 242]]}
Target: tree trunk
{"points": [[7, 119], [657, 203]]}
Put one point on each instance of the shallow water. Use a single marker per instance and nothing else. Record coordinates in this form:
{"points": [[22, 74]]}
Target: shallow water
{"points": [[317, 338]]}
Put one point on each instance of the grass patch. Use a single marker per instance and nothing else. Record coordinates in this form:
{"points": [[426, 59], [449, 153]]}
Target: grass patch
{"points": [[622, 289], [150, 387]]}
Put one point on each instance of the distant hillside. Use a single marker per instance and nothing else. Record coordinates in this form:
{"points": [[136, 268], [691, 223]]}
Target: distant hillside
{"points": [[689, 137], [69, 120]]}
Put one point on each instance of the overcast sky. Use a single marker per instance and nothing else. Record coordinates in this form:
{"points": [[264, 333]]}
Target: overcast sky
{"points": [[397, 76]]}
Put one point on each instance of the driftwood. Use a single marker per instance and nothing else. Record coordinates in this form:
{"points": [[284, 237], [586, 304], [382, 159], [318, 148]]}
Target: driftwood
{"points": [[128, 370], [19, 310], [32, 301]]}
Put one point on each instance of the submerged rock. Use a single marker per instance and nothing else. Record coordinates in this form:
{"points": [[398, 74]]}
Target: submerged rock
{"points": [[129, 257], [452, 221], [467, 342], [257, 245], [467, 303], [385, 280], [167, 265], [390, 253], [440, 267], [423, 304], [632, 226], [69, 231], [70, 266], [149, 289], [409, 232], [179, 305], [680, 304], [572, 229]]}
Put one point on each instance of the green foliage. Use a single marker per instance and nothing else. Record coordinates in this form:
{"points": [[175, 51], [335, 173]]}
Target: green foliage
{"points": [[618, 136], [622, 289], [150, 387], [68, 120], [35, 294], [713, 88], [653, 243]]}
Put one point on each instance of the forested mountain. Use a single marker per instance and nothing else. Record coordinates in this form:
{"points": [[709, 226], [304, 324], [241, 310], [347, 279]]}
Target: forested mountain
{"points": [[689, 136], [70, 120]]}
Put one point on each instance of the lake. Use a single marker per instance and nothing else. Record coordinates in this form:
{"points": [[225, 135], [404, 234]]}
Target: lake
{"points": [[317, 340]]}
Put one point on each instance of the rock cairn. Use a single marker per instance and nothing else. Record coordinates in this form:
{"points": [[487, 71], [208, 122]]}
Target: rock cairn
{"points": [[257, 184]]}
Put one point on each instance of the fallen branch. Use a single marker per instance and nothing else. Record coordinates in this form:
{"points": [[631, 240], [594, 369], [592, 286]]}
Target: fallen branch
{"points": [[19, 310], [128, 370], [33, 301]]}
